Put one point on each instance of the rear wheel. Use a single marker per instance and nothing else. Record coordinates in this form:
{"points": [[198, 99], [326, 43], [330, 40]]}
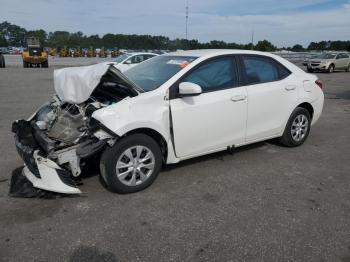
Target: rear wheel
{"points": [[348, 68], [310, 70], [297, 128], [132, 164], [331, 68]]}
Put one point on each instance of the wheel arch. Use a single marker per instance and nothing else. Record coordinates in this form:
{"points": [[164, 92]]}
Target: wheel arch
{"points": [[161, 141], [308, 107]]}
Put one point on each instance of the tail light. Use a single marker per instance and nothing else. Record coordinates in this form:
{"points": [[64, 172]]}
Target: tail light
{"points": [[319, 83]]}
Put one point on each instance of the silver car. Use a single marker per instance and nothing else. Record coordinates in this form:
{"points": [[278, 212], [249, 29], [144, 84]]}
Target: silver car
{"points": [[328, 62]]}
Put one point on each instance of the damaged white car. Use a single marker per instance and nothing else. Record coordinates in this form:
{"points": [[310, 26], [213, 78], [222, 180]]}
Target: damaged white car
{"points": [[169, 108]]}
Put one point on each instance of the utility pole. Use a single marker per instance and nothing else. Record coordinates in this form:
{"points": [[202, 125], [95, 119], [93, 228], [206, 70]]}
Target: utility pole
{"points": [[186, 19], [252, 47]]}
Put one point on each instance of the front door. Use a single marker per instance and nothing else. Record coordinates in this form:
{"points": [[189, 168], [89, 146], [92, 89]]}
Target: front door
{"points": [[214, 119]]}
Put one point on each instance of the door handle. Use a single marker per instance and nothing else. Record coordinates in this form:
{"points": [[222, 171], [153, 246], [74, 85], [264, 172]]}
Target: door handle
{"points": [[290, 87], [238, 98]]}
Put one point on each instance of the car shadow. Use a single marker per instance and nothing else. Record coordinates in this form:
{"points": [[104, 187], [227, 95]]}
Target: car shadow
{"points": [[218, 155]]}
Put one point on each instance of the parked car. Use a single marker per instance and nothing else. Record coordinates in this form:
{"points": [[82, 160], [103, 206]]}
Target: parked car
{"points": [[129, 60], [306, 61], [328, 62], [167, 109]]}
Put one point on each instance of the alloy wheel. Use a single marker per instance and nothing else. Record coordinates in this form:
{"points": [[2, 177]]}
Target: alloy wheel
{"points": [[135, 165], [299, 127]]}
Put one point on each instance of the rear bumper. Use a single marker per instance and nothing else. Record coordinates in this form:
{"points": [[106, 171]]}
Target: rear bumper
{"points": [[318, 107]]}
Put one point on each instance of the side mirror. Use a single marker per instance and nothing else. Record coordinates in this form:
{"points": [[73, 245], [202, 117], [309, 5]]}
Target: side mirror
{"points": [[127, 62], [189, 89]]}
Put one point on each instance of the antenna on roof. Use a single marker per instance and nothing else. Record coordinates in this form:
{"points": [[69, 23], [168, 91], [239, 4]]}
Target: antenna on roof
{"points": [[186, 19]]}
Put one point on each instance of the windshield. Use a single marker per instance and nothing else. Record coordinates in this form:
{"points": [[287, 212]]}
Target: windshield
{"points": [[121, 58], [326, 56], [152, 73]]}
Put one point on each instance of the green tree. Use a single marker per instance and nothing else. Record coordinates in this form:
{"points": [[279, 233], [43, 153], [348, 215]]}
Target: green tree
{"points": [[40, 34], [14, 34], [265, 46], [297, 48]]}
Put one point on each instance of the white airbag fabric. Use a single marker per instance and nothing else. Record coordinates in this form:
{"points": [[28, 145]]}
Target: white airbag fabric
{"points": [[75, 84]]}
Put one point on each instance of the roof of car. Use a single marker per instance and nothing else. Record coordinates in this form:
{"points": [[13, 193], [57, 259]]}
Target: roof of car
{"points": [[210, 52], [140, 53]]}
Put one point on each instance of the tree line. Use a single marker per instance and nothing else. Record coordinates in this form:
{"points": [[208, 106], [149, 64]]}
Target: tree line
{"points": [[14, 35]]}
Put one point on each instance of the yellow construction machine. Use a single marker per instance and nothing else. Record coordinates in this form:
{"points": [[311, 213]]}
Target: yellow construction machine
{"points": [[34, 56], [115, 52], [91, 52], [103, 53], [77, 52], [64, 52]]}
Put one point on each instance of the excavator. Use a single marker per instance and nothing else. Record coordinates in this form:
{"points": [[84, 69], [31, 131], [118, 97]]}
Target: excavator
{"points": [[34, 56]]}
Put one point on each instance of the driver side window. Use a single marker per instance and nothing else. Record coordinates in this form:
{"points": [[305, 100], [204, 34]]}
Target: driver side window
{"points": [[214, 75]]}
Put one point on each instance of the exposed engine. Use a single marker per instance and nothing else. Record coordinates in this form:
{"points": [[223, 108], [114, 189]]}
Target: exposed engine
{"points": [[65, 123], [60, 135]]}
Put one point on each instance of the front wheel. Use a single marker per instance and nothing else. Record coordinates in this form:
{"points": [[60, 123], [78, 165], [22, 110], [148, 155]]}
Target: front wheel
{"points": [[348, 68], [331, 68], [132, 164], [297, 128]]}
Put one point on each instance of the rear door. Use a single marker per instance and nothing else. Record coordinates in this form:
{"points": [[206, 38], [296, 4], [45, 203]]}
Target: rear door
{"points": [[343, 61], [272, 92], [214, 119]]}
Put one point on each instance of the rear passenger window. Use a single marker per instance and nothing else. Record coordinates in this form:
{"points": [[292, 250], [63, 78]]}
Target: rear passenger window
{"points": [[214, 75], [262, 70]]}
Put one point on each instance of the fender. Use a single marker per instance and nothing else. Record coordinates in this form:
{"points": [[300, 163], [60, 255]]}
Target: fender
{"points": [[147, 110]]}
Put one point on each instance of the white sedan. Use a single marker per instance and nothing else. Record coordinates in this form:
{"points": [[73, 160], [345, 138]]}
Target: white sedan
{"points": [[129, 60], [170, 108]]}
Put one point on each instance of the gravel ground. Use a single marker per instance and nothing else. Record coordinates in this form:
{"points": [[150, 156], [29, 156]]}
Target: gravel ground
{"points": [[264, 203]]}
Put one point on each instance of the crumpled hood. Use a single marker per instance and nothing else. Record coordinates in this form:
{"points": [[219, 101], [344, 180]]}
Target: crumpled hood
{"points": [[75, 84]]}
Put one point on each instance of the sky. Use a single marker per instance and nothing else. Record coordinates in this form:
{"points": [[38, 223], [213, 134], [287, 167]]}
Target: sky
{"points": [[283, 22]]}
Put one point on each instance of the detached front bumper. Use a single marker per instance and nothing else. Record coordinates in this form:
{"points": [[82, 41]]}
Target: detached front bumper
{"points": [[41, 171]]}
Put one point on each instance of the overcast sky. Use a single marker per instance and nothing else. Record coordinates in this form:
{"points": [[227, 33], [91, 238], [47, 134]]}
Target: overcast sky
{"points": [[283, 22]]}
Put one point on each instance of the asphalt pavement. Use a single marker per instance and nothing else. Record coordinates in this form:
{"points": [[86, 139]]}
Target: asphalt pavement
{"points": [[264, 203]]}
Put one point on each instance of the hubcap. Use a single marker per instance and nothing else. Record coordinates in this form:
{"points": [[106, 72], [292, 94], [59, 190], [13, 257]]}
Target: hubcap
{"points": [[299, 128], [135, 165]]}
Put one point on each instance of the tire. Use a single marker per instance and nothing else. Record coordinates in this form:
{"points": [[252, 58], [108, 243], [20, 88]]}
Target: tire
{"points": [[2, 61], [348, 68], [310, 70], [127, 178], [290, 137], [25, 64], [330, 68], [45, 64]]}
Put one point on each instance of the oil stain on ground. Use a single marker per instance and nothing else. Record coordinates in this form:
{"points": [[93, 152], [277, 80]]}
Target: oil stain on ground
{"points": [[91, 254]]}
